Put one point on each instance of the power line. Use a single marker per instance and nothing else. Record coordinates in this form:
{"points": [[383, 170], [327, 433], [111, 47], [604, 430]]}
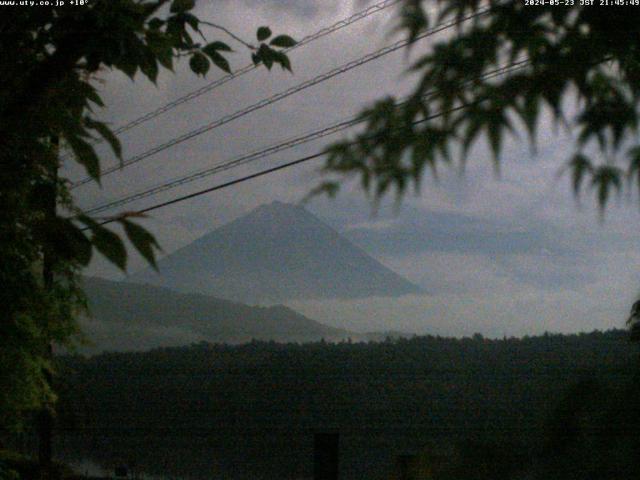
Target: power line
{"points": [[250, 67], [523, 63], [282, 146], [356, 17], [279, 96], [280, 167], [266, 171], [225, 166]]}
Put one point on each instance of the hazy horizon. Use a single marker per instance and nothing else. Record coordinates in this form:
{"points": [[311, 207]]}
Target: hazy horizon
{"points": [[458, 312]]}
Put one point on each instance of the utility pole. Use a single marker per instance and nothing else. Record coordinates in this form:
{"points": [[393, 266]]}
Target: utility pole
{"points": [[45, 417]]}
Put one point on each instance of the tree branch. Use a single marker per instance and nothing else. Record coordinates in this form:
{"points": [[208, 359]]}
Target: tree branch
{"points": [[230, 33]]}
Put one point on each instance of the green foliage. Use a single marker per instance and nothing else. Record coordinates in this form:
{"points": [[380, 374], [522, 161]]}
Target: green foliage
{"points": [[14, 466], [50, 59], [263, 33], [634, 322], [180, 6], [213, 51], [267, 55], [283, 41], [32, 317], [199, 64], [142, 240], [570, 51]]}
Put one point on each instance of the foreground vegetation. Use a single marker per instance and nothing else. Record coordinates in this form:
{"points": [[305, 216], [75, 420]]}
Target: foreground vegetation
{"points": [[554, 406]]}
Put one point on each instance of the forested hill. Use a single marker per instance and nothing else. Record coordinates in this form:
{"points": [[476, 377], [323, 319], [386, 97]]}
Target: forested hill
{"points": [[127, 316], [396, 393]]}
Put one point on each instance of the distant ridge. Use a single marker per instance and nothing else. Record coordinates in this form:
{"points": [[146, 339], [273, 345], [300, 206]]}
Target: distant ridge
{"points": [[277, 252], [127, 316]]}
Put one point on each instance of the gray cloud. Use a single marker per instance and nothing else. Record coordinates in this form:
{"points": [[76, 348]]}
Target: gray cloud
{"points": [[306, 9], [510, 254], [416, 231]]}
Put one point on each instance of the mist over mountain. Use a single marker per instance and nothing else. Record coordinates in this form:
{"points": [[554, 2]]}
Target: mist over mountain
{"points": [[127, 316], [277, 252]]}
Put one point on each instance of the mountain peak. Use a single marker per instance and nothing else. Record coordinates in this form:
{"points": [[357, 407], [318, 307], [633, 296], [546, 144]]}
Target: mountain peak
{"points": [[278, 208], [277, 252], [275, 205]]}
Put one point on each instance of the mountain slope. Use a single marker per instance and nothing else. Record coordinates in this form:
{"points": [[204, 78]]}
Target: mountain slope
{"points": [[128, 316], [277, 252]]}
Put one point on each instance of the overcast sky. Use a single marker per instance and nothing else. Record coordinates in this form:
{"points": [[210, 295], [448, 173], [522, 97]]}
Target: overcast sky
{"points": [[512, 255]]}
